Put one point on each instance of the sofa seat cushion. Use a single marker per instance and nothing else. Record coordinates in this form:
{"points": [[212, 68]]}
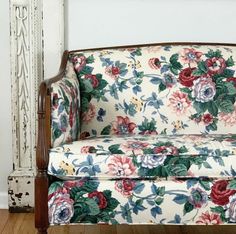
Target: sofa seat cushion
{"points": [[186, 201], [146, 156]]}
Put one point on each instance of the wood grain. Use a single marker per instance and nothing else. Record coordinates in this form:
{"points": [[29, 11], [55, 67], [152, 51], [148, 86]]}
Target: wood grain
{"points": [[108, 229], [20, 223], [3, 219]]}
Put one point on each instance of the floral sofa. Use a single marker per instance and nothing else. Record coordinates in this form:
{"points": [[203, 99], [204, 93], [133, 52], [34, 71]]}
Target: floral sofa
{"points": [[139, 135]]}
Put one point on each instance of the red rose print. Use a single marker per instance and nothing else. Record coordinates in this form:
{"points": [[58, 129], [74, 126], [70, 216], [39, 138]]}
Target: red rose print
{"points": [[89, 114], [55, 101], [207, 119], [128, 185], [190, 56], [233, 80], [220, 194], [115, 71], [215, 65], [166, 150], [186, 78], [84, 135], [88, 149], [125, 187], [93, 79], [154, 63], [100, 198]]}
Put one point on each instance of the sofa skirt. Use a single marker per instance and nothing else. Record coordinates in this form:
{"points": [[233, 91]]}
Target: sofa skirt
{"points": [[190, 201]]}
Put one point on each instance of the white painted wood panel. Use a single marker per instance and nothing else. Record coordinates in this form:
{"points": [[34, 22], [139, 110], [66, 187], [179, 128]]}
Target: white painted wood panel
{"points": [[37, 41], [53, 36]]}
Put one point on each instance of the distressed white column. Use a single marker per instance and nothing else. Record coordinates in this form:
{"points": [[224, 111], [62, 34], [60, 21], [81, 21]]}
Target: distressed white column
{"points": [[53, 28], [27, 69]]}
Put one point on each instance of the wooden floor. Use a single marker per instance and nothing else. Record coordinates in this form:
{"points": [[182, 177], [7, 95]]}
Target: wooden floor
{"points": [[24, 224]]}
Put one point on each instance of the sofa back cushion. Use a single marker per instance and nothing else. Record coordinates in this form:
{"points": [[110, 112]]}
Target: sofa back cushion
{"points": [[164, 89]]}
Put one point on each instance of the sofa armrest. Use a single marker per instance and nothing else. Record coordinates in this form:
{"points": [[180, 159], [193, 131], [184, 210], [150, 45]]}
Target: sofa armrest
{"points": [[43, 145], [65, 108], [58, 111]]}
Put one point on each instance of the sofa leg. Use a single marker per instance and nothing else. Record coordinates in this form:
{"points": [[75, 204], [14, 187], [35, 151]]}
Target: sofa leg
{"points": [[42, 231], [41, 202]]}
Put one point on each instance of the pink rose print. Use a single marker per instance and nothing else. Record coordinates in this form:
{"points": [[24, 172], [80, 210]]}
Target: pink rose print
{"points": [[228, 118], [79, 62], [215, 65], [88, 149], [179, 102], [207, 218], [90, 114], [69, 184], [85, 149], [121, 166], [154, 63], [190, 56], [123, 126]]}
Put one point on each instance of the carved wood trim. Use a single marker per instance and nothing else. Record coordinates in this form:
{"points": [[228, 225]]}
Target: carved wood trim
{"points": [[20, 85], [26, 18]]}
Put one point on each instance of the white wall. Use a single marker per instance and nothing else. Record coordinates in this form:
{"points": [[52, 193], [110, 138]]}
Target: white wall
{"points": [[5, 99], [97, 23]]}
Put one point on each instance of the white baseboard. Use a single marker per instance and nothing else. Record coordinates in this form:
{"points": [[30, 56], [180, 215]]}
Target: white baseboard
{"points": [[3, 200]]}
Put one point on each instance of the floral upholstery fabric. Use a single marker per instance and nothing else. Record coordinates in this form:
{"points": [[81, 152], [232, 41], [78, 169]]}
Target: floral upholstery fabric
{"points": [[145, 157], [190, 201], [65, 108], [136, 131], [173, 89]]}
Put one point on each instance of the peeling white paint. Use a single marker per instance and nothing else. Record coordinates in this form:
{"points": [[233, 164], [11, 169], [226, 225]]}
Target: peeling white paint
{"points": [[26, 21]]}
